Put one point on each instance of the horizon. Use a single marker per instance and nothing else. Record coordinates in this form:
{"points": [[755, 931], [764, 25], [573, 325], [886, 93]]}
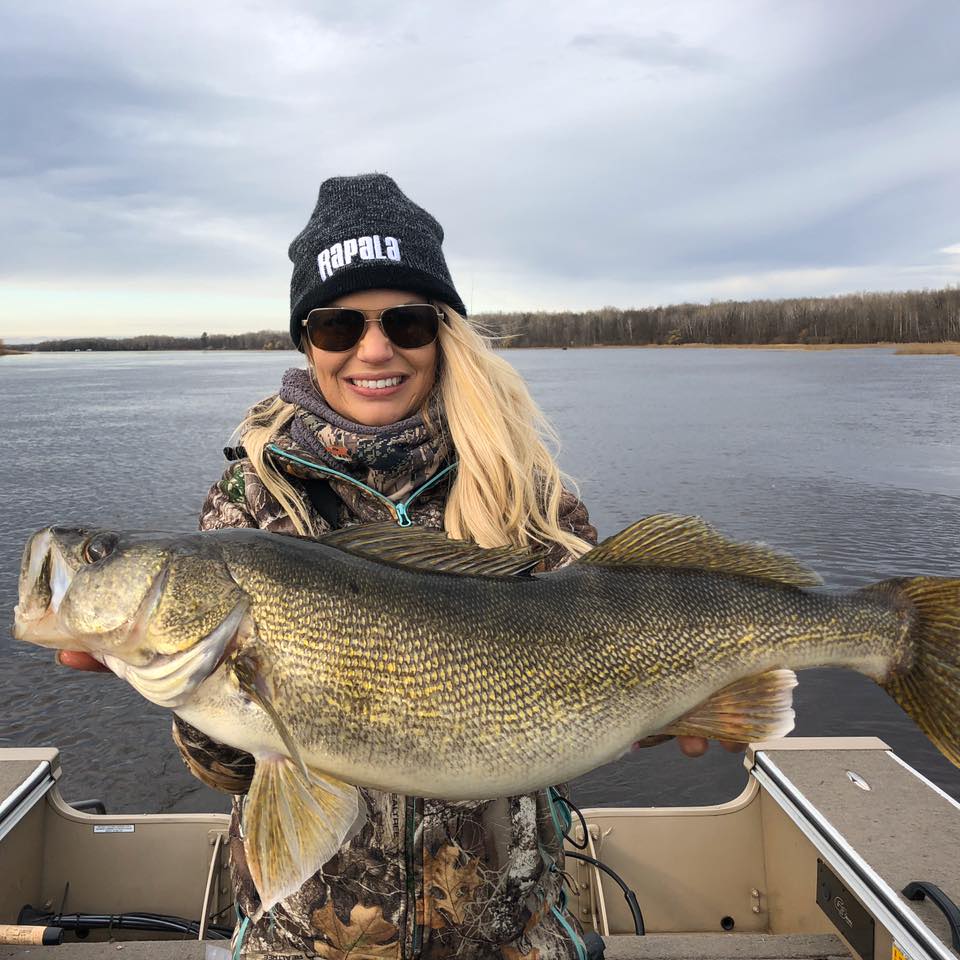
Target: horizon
{"points": [[155, 167], [284, 332]]}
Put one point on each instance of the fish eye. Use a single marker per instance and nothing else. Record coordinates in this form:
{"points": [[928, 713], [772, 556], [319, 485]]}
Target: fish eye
{"points": [[98, 547]]}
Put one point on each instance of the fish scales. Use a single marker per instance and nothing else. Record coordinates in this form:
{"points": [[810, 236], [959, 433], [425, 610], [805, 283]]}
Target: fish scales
{"points": [[406, 662], [599, 657]]}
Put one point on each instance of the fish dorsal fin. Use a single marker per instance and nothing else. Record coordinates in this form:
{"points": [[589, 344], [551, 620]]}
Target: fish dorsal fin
{"points": [[422, 549], [669, 540]]}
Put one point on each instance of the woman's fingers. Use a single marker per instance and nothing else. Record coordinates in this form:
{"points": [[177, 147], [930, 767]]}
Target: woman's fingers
{"points": [[692, 746], [697, 746], [80, 661]]}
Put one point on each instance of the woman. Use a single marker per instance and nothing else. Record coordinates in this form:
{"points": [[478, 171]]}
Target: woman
{"points": [[403, 412]]}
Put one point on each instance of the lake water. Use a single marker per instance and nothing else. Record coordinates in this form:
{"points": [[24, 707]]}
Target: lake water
{"points": [[848, 459]]}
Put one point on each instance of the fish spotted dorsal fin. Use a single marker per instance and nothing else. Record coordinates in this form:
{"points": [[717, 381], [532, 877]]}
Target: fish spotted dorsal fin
{"points": [[422, 549], [669, 540]]}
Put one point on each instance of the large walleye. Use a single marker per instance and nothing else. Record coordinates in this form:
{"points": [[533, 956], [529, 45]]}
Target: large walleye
{"points": [[400, 660]]}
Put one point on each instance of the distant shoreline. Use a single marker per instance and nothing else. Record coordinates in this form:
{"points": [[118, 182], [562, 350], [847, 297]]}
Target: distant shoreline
{"points": [[915, 322], [936, 348]]}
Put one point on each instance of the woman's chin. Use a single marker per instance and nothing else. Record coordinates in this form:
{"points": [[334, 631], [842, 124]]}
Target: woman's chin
{"points": [[377, 411], [378, 414]]}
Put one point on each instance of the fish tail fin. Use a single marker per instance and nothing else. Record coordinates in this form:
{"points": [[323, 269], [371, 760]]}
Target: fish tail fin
{"points": [[928, 688]]}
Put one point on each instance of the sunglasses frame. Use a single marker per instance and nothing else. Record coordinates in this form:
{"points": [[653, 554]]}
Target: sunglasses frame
{"points": [[373, 316]]}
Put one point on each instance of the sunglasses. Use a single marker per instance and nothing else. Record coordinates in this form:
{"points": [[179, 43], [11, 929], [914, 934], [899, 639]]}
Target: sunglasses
{"points": [[408, 326]]}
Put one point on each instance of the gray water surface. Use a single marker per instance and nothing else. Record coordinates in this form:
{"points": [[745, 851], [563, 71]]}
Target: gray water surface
{"points": [[848, 459]]}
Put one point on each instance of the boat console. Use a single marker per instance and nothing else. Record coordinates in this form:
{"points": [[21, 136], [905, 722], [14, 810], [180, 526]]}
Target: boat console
{"points": [[835, 849], [831, 838], [90, 870]]}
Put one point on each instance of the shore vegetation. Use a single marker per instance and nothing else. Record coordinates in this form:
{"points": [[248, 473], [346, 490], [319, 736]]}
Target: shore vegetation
{"points": [[928, 321]]}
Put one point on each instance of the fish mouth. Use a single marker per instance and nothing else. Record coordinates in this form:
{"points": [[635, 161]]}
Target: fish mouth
{"points": [[45, 578], [51, 559], [169, 680]]}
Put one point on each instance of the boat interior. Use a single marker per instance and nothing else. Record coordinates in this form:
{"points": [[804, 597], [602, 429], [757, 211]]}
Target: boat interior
{"points": [[835, 848]]}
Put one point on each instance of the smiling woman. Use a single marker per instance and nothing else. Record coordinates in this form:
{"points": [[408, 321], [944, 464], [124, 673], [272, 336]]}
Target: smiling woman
{"points": [[389, 368], [403, 411]]}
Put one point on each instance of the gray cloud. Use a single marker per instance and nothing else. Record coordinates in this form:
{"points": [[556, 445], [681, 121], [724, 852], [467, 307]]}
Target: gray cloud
{"points": [[661, 50], [675, 153]]}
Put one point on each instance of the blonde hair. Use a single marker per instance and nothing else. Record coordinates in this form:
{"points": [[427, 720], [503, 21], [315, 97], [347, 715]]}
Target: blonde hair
{"points": [[507, 485]]}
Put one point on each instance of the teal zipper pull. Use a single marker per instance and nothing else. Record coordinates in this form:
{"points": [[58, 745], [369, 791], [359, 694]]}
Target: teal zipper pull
{"points": [[398, 509]]}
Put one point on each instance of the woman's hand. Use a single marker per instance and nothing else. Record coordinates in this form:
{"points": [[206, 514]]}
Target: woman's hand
{"points": [[697, 746], [80, 661], [689, 746]]}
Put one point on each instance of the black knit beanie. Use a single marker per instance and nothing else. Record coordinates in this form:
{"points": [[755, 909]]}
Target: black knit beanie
{"points": [[365, 233]]}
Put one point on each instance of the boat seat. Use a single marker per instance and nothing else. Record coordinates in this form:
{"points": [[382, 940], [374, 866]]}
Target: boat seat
{"points": [[661, 946], [725, 946], [25, 776]]}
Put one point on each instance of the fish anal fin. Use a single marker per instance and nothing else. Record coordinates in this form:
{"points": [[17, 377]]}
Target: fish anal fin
{"points": [[755, 708], [430, 550], [292, 828], [670, 540]]}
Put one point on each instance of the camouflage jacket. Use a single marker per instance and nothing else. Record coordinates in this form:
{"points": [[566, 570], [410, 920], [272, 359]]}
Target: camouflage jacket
{"points": [[424, 878]]}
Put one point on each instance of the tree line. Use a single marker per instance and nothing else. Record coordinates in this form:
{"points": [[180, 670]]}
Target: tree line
{"points": [[926, 316], [916, 316], [258, 340]]}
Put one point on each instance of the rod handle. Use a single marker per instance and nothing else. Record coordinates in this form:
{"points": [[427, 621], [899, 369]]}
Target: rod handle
{"points": [[35, 936]]}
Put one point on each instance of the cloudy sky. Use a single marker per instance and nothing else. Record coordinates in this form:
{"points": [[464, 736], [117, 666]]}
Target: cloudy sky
{"points": [[156, 158]]}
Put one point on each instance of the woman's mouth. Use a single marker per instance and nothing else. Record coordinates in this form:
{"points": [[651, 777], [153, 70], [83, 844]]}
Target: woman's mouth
{"points": [[377, 386]]}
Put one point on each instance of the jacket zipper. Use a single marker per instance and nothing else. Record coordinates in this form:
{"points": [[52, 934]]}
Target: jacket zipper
{"points": [[410, 861], [399, 511]]}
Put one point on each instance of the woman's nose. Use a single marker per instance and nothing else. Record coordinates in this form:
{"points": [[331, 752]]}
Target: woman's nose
{"points": [[374, 345]]}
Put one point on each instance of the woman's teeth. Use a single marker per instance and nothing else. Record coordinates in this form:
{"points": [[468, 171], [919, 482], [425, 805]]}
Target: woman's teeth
{"points": [[378, 384]]}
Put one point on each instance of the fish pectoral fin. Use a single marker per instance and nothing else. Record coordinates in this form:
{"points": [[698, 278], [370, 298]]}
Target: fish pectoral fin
{"points": [[755, 708], [292, 827], [670, 540], [249, 675]]}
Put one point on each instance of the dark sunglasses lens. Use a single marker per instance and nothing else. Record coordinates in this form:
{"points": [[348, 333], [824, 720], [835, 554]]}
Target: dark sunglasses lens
{"points": [[411, 326], [335, 330]]}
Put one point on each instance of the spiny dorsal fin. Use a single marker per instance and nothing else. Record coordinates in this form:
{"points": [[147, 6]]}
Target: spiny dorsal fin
{"points": [[422, 549], [669, 540]]}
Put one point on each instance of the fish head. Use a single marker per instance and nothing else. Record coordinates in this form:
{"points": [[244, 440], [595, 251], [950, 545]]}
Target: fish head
{"points": [[159, 610]]}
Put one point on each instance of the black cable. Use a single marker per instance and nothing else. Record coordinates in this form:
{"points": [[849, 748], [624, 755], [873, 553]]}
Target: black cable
{"points": [[213, 916], [628, 894], [155, 922], [569, 804]]}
